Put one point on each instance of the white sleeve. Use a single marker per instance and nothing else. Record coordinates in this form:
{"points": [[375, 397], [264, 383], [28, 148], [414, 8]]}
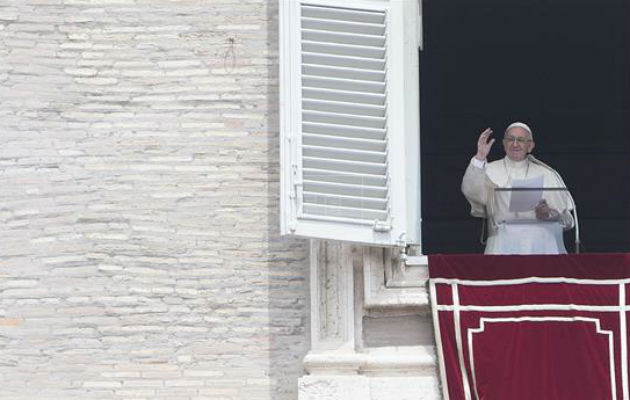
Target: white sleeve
{"points": [[477, 163], [475, 188]]}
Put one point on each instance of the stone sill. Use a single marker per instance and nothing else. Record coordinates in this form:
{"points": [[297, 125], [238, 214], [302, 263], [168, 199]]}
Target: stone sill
{"points": [[385, 361]]}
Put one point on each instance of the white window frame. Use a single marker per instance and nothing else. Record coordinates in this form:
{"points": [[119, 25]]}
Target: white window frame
{"points": [[403, 127]]}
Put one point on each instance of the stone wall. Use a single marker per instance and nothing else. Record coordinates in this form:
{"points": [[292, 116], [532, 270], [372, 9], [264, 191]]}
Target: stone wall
{"points": [[139, 249]]}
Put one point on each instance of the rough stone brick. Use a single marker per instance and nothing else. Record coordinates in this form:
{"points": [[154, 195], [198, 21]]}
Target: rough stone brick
{"points": [[138, 234]]}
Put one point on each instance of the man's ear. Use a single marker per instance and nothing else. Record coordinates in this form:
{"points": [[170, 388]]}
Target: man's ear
{"points": [[532, 145]]}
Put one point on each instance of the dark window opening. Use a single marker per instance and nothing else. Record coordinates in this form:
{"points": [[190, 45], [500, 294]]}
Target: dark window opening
{"points": [[561, 66]]}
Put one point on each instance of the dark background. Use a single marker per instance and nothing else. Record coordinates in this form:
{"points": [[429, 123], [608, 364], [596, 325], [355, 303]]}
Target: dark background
{"points": [[562, 67]]}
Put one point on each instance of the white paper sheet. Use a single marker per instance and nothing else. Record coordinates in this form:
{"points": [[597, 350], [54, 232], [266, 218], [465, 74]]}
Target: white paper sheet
{"points": [[526, 200]]}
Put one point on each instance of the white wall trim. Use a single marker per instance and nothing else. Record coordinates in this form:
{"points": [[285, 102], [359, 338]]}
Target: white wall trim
{"points": [[407, 286]]}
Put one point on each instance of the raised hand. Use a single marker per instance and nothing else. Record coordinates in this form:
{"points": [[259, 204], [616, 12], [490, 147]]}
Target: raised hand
{"points": [[484, 145]]}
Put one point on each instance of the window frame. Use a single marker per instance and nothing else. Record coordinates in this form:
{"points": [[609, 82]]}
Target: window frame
{"points": [[403, 152]]}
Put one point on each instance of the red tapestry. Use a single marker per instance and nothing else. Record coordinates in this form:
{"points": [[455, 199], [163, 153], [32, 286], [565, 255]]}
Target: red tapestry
{"points": [[532, 327]]}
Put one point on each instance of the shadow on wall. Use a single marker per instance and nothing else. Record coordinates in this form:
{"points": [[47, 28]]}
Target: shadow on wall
{"points": [[286, 258]]}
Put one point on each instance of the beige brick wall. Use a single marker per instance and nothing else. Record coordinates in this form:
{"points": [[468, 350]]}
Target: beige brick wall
{"points": [[139, 248]]}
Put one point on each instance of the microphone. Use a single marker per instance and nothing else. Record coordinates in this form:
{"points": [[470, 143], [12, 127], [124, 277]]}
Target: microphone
{"points": [[577, 224]]}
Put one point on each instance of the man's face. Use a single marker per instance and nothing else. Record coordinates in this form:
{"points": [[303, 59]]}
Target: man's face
{"points": [[517, 143]]}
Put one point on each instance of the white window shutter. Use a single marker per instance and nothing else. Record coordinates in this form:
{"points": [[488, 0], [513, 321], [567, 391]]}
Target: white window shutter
{"points": [[349, 107]]}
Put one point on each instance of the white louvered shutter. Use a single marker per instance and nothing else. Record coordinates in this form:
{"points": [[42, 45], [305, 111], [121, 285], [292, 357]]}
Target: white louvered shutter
{"points": [[350, 120]]}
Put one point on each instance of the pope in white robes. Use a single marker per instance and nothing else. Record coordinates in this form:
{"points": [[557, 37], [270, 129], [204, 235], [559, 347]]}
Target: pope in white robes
{"points": [[537, 231]]}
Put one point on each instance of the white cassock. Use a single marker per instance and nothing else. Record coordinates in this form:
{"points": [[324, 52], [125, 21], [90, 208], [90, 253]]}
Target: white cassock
{"points": [[517, 233]]}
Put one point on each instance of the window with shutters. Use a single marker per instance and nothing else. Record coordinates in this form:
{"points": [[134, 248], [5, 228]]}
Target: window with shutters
{"points": [[349, 120]]}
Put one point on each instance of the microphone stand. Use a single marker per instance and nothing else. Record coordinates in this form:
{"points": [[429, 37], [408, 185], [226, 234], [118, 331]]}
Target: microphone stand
{"points": [[577, 223]]}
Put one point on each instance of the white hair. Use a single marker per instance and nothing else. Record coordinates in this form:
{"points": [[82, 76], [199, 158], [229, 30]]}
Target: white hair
{"points": [[520, 125]]}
